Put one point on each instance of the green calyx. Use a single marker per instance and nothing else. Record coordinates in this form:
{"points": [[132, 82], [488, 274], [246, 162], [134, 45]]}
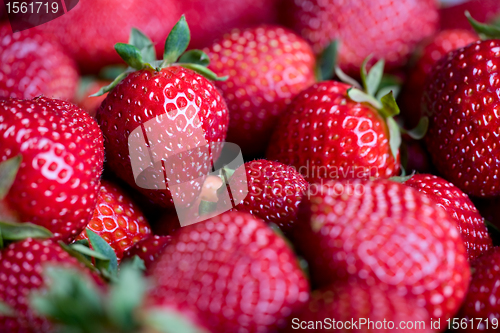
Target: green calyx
{"points": [[140, 54], [8, 173], [13, 232], [485, 31]]}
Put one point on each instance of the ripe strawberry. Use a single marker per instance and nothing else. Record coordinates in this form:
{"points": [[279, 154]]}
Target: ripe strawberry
{"points": [[117, 219], [212, 18], [148, 249], [233, 272], [97, 25], [452, 17], [164, 105], [435, 48], [461, 101], [396, 26], [355, 306], [34, 64], [274, 192], [267, 67], [22, 265], [325, 135], [386, 234], [481, 307], [62, 156], [461, 209]]}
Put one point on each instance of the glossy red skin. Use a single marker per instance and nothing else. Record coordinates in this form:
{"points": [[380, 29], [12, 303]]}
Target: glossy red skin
{"points": [[139, 98], [386, 233], [34, 64], [461, 209], [461, 101], [92, 44], [395, 27], [267, 67], [483, 298], [350, 301], [325, 135], [452, 17], [210, 19], [117, 219], [433, 50], [148, 249], [274, 192], [21, 273], [234, 271], [54, 131]]}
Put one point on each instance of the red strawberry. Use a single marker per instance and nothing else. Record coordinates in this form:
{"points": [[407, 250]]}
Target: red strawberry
{"points": [[22, 265], [117, 219], [62, 156], [148, 249], [212, 18], [267, 67], [34, 64], [274, 192], [458, 205], [358, 307], [233, 272], [324, 134], [434, 49], [452, 17], [394, 27], [386, 234], [168, 117], [481, 308], [461, 100], [97, 25]]}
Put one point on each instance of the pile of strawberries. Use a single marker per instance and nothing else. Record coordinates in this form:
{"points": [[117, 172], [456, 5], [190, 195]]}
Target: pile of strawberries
{"points": [[370, 132]]}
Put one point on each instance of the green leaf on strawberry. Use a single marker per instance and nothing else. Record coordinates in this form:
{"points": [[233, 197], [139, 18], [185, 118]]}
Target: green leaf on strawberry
{"points": [[8, 172], [327, 61], [12, 231], [177, 41], [108, 267], [5, 310], [197, 57], [143, 44], [164, 321], [485, 31]]}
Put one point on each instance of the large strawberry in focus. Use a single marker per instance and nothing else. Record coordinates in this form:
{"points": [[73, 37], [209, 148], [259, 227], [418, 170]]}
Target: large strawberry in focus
{"points": [[387, 29], [60, 152], [433, 50], [232, 272], [481, 308], [333, 130], [461, 100], [23, 264], [117, 219], [34, 64], [458, 205], [91, 29], [267, 67], [162, 121], [387, 234]]}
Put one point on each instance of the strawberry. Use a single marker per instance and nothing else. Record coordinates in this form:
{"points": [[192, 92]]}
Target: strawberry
{"points": [[22, 265], [34, 64], [481, 308], [117, 219], [331, 131], [97, 25], [160, 105], [275, 191], [356, 306], [461, 209], [233, 272], [148, 249], [452, 17], [396, 26], [91, 104], [386, 234], [461, 102], [212, 18], [62, 154], [433, 50], [267, 67]]}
